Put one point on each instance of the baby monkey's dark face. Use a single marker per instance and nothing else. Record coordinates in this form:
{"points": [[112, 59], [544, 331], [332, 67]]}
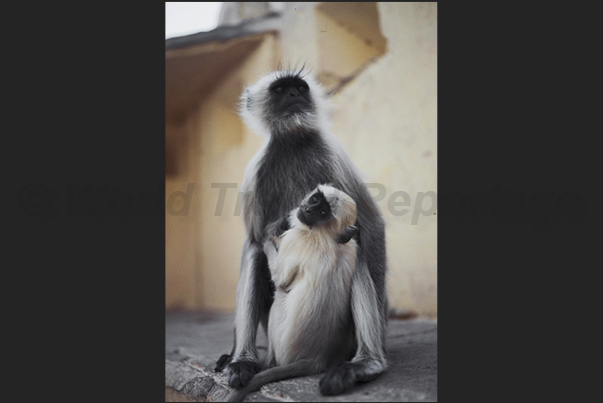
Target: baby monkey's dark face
{"points": [[315, 211], [289, 95]]}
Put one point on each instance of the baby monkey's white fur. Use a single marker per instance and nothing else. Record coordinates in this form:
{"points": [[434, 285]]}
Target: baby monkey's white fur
{"points": [[311, 317]]}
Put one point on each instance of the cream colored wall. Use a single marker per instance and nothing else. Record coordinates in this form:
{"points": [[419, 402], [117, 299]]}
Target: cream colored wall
{"points": [[226, 148], [210, 146], [386, 119], [181, 240]]}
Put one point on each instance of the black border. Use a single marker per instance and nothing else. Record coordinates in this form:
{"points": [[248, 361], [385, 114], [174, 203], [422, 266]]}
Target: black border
{"points": [[89, 91], [511, 115]]}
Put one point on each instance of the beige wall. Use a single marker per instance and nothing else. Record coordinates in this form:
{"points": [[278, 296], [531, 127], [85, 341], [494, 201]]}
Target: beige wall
{"points": [[202, 248], [180, 236], [384, 114], [226, 149], [389, 127]]}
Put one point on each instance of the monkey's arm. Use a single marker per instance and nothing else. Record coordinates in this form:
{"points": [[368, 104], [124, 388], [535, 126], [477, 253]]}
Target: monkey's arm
{"points": [[347, 234], [252, 306], [369, 360], [369, 300], [284, 269], [288, 277], [271, 251], [275, 232], [277, 228]]}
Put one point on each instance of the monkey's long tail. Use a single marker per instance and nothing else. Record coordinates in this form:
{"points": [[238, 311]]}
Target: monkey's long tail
{"points": [[295, 369]]}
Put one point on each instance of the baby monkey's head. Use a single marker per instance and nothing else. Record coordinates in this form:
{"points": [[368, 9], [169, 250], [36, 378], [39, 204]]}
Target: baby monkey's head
{"points": [[329, 209]]}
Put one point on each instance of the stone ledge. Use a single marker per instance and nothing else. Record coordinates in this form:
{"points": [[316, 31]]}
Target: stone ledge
{"points": [[195, 340]]}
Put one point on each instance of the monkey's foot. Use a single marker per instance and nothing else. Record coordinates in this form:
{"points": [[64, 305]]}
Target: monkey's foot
{"points": [[222, 361], [241, 372], [345, 375], [338, 379]]}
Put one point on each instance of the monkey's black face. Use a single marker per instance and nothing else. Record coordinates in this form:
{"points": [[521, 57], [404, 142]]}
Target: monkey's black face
{"points": [[315, 211], [289, 95]]}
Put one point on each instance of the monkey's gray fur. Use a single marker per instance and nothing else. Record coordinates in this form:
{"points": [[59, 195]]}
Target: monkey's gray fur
{"points": [[310, 324], [299, 153]]}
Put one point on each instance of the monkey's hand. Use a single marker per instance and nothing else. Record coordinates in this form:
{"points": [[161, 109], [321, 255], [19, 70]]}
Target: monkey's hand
{"points": [[278, 227], [347, 234], [222, 362]]}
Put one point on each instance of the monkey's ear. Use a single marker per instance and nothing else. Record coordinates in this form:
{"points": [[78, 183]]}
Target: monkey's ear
{"points": [[347, 234]]}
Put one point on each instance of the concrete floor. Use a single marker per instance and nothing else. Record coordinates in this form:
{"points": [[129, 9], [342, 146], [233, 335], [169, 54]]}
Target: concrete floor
{"points": [[195, 340]]}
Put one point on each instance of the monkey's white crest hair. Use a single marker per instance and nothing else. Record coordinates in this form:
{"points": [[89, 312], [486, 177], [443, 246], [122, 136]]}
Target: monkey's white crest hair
{"points": [[253, 106]]}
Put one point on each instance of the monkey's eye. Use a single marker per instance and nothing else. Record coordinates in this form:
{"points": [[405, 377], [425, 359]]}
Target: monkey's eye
{"points": [[314, 199], [302, 88], [279, 90], [322, 212]]}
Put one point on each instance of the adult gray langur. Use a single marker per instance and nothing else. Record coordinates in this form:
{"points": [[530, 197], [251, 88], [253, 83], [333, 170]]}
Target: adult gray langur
{"points": [[299, 153], [310, 323]]}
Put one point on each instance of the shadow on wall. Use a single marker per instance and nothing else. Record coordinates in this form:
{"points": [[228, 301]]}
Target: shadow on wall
{"points": [[351, 31]]}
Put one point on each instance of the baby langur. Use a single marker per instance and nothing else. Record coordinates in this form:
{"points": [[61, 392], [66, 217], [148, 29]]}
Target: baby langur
{"points": [[310, 327]]}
